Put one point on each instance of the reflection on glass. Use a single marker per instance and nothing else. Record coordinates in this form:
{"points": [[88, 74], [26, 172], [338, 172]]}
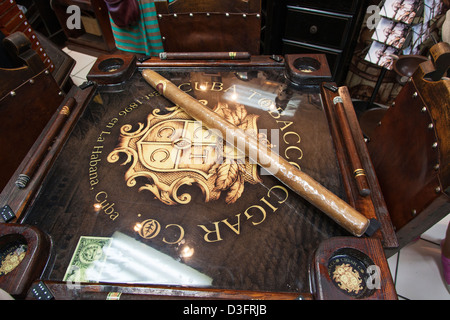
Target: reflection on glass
{"points": [[97, 207], [130, 261], [186, 252], [262, 99], [137, 227]]}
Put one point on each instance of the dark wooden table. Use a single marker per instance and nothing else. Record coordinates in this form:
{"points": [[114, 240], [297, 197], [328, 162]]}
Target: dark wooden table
{"points": [[130, 198]]}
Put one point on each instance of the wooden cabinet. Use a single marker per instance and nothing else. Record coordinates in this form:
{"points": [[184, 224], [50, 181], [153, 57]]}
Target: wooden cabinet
{"points": [[328, 27], [94, 35]]}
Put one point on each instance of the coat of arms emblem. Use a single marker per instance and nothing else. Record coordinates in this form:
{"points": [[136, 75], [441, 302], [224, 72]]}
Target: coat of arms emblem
{"points": [[173, 150]]}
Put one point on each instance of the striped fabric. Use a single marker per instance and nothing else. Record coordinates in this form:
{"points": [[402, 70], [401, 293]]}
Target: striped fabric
{"points": [[143, 38]]}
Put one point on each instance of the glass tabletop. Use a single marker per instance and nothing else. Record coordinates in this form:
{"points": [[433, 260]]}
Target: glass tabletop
{"points": [[142, 193]]}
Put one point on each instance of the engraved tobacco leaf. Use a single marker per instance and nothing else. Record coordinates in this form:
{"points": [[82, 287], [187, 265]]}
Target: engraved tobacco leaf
{"points": [[231, 116], [236, 190], [227, 174], [240, 112]]}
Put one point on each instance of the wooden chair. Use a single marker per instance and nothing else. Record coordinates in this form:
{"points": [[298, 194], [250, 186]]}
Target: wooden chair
{"points": [[410, 149], [13, 20], [209, 25], [27, 102]]}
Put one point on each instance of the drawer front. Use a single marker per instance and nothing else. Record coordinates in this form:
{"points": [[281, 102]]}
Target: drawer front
{"points": [[344, 6], [317, 28]]}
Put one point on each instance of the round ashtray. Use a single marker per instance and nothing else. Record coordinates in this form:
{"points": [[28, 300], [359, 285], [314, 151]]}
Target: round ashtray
{"points": [[347, 269], [306, 64], [111, 64], [13, 249]]}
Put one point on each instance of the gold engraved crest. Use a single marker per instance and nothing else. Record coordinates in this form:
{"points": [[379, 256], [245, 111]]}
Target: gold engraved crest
{"points": [[347, 278], [173, 150]]}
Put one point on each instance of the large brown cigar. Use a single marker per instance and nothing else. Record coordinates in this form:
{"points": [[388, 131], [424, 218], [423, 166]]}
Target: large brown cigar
{"points": [[298, 181], [204, 55], [34, 162]]}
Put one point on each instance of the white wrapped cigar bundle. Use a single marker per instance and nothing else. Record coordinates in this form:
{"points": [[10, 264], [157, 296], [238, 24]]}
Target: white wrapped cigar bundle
{"points": [[299, 182]]}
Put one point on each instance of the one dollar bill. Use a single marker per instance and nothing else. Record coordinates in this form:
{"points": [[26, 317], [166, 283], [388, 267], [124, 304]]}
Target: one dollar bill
{"points": [[88, 254]]}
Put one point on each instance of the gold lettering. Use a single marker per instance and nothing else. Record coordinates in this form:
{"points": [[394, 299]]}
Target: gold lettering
{"points": [[114, 216], [267, 104], [253, 94], [108, 208], [213, 235], [208, 232], [113, 122], [185, 84], [93, 177], [293, 147], [232, 226], [93, 163], [93, 166], [269, 204], [274, 115], [101, 192], [179, 238], [202, 87], [151, 94], [286, 124], [94, 156], [219, 86], [250, 216], [101, 138], [232, 87], [289, 133], [97, 149], [295, 165], [279, 187]]}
